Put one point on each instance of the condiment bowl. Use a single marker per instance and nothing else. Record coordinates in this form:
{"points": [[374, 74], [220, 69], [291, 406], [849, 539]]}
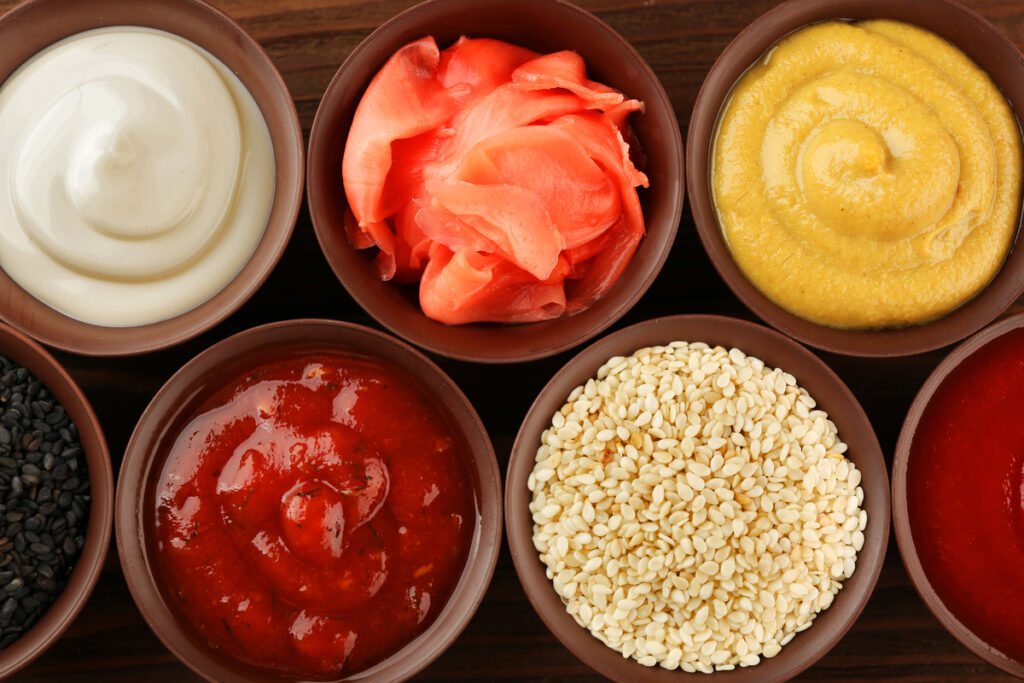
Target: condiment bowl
{"points": [[29, 28], [175, 404], [903, 475], [544, 26], [965, 29], [776, 350], [28, 354]]}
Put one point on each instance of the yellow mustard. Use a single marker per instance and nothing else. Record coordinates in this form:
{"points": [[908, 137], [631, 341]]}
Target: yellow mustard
{"points": [[867, 175]]}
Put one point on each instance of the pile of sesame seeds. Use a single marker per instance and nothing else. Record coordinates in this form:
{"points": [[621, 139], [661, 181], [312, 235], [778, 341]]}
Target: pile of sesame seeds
{"points": [[693, 508]]}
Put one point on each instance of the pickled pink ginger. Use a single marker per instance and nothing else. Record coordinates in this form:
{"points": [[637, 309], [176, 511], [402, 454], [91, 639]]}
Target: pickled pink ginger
{"points": [[496, 177]]}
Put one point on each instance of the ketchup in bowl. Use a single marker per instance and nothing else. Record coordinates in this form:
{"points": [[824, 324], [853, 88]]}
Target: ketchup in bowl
{"points": [[965, 493], [314, 516]]}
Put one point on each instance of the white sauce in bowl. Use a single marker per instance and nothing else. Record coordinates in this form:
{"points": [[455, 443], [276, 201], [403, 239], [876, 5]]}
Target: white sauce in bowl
{"points": [[136, 176]]}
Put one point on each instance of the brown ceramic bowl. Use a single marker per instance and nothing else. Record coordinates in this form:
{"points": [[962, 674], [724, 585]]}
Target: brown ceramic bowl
{"points": [[27, 353], [900, 511], [978, 39], [544, 26], [204, 375], [36, 24], [775, 350]]}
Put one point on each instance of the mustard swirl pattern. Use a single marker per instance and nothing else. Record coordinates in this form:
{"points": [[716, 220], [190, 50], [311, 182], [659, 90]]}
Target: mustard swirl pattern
{"points": [[867, 175]]}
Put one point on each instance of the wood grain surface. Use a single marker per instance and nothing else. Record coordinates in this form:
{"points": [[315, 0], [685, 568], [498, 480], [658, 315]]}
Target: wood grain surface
{"points": [[895, 639]]}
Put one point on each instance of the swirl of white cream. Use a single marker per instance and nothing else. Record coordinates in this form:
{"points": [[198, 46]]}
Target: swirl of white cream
{"points": [[127, 153]]}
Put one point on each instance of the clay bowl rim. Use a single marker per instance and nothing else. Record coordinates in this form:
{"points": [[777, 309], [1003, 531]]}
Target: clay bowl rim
{"points": [[948, 19], [901, 514], [218, 34], [772, 347], [393, 306], [65, 609], [188, 387]]}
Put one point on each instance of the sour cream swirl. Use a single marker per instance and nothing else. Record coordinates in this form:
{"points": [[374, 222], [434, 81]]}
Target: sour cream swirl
{"points": [[136, 173]]}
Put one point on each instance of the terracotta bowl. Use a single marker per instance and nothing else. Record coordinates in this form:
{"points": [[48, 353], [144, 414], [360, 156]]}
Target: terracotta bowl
{"points": [[28, 354], [919, 573], [36, 24], [978, 39], [775, 350], [544, 26], [204, 375]]}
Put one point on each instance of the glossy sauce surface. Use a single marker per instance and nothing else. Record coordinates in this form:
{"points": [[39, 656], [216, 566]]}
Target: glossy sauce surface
{"points": [[314, 516], [965, 491]]}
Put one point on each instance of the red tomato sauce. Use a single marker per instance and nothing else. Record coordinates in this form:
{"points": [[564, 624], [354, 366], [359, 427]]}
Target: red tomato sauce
{"points": [[965, 490], [315, 516]]}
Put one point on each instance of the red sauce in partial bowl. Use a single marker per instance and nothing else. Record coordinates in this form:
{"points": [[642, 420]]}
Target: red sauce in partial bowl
{"points": [[314, 516], [965, 493]]}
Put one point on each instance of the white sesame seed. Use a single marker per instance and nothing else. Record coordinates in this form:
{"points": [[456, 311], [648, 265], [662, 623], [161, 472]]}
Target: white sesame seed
{"points": [[693, 508]]}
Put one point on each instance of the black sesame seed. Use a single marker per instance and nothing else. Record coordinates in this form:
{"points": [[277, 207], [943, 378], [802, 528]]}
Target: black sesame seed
{"points": [[44, 500]]}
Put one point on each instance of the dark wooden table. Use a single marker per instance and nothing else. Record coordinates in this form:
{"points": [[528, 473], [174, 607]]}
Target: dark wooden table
{"points": [[895, 639]]}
